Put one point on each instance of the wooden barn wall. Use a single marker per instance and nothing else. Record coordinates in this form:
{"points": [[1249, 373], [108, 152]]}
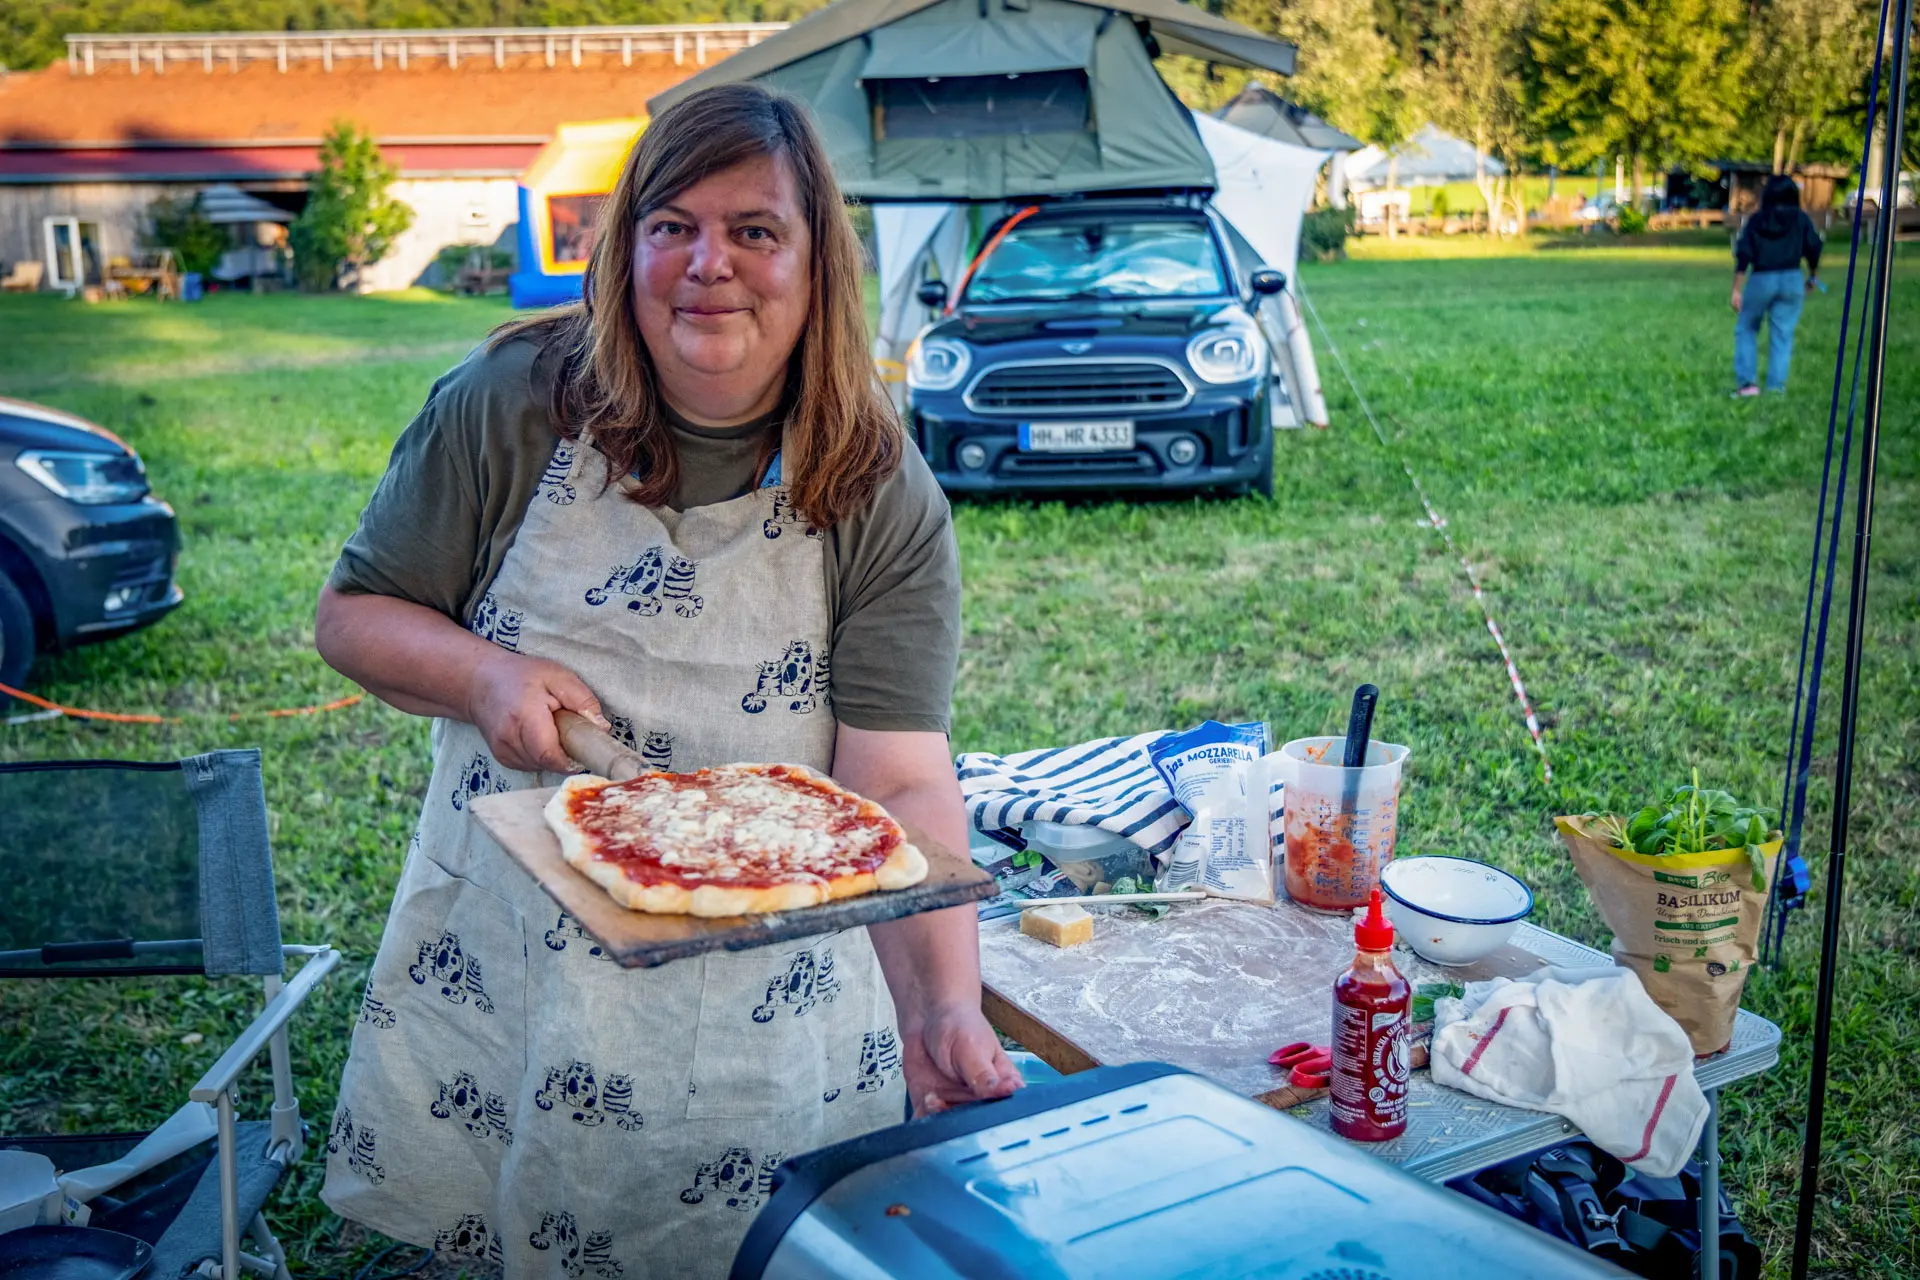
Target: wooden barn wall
{"points": [[118, 208]]}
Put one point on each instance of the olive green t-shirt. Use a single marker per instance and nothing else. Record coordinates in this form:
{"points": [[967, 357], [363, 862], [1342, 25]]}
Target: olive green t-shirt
{"points": [[444, 516]]}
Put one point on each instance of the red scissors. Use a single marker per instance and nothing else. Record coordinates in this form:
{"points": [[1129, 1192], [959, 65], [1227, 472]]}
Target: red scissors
{"points": [[1308, 1066]]}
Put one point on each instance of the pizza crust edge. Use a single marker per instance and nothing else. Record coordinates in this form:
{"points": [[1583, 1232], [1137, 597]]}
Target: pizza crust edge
{"points": [[905, 867]]}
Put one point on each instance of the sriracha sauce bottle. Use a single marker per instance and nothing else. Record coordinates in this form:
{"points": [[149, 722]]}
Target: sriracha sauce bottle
{"points": [[1372, 1006]]}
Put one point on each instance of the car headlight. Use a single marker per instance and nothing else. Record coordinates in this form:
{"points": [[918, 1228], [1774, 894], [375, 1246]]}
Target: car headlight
{"points": [[91, 479], [938, 364], [1230, 354]]}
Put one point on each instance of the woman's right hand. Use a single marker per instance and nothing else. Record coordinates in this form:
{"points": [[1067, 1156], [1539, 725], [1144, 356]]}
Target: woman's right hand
{"points": [[511, 700]]}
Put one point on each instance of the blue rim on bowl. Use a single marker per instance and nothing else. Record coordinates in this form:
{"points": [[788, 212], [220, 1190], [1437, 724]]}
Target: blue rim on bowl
{"points": [[1521, 914]]}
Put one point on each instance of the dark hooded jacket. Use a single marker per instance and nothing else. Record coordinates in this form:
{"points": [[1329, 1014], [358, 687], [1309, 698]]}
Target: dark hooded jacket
{"points": [[1776, 238]]}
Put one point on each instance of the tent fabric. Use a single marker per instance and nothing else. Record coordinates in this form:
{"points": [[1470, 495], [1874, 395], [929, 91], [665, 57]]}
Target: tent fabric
{"points": [[1263, 188], [1008, 48], [1136, 136], [1429, 158], [912, 242], [1260, 110], [1178, 27]]}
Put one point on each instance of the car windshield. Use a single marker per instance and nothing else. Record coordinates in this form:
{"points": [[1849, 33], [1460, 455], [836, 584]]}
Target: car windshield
{"points": [[1057, 260]]}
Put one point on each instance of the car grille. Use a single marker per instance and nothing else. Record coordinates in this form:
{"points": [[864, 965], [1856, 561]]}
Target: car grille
{"points": [[1137, 463], [143, 582], [1078, 387]]}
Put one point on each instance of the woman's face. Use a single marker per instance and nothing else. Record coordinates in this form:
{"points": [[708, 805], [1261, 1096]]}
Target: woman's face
{"points": [[721, 290]]}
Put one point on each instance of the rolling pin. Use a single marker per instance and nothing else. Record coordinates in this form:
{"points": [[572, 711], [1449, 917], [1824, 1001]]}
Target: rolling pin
{"points": [[595, 750]]}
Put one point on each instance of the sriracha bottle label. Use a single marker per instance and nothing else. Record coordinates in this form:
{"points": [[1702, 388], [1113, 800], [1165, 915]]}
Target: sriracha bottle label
{"points": [[1370, 1071]]}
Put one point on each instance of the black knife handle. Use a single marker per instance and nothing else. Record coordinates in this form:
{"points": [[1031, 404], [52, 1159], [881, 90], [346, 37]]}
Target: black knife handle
{"points": [[1360, 726]]}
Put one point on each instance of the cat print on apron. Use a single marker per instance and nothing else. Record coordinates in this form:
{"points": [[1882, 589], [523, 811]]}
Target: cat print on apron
{"points": [[513, 1097]]}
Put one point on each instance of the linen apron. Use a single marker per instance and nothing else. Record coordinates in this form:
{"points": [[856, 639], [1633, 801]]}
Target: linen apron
{"points": [[513, 1096]]}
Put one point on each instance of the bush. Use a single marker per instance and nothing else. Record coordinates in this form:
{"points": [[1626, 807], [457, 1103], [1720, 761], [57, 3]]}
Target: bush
{"points": [[455, 258], [182, 226], [1440, 208], [1324, 232], [1629, 221], [350, 221]]}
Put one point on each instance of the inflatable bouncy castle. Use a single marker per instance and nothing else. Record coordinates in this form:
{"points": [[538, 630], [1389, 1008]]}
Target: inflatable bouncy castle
{"points": [[560, 199]]}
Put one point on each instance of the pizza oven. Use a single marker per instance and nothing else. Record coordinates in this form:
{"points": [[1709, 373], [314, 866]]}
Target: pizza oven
{"points": [[1134, 1172]]}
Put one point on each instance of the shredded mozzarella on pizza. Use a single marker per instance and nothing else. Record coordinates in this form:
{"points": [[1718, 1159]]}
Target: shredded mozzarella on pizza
{"points": [[737, 825]]}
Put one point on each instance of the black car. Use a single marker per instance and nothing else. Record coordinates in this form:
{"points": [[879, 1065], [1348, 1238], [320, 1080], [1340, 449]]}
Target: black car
{"points": [[86, 551], [1099, 345]]}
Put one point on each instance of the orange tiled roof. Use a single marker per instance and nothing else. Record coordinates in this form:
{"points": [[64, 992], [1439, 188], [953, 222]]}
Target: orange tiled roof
{"points": [[523, 100]]}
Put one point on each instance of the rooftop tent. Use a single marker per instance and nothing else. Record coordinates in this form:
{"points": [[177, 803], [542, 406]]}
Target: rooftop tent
{"points": [[948, 100], [1429, 158], [560, 197], [1260, 110]]}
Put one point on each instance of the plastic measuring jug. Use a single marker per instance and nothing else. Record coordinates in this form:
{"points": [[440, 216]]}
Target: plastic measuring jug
{"points": [[1339, 823]]}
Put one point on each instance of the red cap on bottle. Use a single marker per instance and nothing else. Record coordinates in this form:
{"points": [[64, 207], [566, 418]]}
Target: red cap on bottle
{"points": [[1373, 933]]}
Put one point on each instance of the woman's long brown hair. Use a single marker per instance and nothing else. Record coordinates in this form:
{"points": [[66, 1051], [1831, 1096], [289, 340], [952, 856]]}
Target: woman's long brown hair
{"points": [[842, 436]]}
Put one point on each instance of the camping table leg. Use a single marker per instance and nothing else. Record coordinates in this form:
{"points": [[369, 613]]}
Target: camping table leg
{"points": [[1710, 1190]]}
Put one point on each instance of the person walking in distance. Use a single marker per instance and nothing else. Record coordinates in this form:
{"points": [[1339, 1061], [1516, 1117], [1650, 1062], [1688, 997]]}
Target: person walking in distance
{"points": [[1767, 284]]}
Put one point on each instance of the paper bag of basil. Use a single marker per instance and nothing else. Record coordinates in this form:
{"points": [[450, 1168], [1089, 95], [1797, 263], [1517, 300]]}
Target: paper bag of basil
{"points": [[1683, 885]]}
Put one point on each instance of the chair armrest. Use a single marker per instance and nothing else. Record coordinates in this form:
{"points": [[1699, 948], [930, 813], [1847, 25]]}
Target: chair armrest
{"points": [[221, 1075]]}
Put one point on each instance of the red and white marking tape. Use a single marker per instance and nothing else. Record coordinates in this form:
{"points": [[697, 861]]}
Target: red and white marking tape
{"points": [[1493, 628], [1440, 527]]}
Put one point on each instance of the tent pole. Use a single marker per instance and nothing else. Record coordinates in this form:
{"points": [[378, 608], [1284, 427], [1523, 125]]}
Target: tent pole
{"points": [[1877, 306]]}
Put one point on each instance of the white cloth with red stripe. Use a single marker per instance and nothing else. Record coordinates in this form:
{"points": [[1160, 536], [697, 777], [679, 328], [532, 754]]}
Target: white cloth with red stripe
{"points": [[1587, 1044]]}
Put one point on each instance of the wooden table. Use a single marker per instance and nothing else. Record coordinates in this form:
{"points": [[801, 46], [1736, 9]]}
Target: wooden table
{"points": [[1216, 986]]}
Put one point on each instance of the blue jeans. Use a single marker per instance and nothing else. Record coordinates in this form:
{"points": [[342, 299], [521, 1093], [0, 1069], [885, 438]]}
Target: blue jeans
{"points": [[1776, 296]]}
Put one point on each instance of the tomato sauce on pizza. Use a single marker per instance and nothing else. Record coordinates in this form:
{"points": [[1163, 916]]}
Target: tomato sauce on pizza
{"points": [[737, 826]]}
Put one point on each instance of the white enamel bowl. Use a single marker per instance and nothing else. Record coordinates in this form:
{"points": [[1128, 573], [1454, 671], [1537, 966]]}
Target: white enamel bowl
{"points": [[1453, 910]]}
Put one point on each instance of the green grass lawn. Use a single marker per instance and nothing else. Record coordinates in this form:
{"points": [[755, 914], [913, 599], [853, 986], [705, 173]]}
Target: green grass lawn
{"points": [[1642, 539]]}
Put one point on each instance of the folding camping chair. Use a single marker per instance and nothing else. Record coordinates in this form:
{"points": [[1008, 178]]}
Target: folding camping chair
{"points": [[124, 869]]}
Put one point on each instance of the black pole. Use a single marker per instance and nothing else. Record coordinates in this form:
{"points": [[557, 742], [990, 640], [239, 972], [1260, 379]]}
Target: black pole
{"points": [[1877, 305]]}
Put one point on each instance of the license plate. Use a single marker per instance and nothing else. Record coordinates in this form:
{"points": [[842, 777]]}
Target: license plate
{"points": [[1076, 437]]}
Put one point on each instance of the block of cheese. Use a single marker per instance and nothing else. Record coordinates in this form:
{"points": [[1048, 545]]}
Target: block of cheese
{"points": [[1066, 926]]}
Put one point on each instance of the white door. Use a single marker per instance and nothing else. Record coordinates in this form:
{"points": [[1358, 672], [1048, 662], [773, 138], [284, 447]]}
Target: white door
{"points": [[66, 268]]}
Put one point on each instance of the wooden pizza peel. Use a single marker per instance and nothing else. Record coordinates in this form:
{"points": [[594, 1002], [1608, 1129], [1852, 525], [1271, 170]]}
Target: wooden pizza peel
{"points": [[636, 939]]}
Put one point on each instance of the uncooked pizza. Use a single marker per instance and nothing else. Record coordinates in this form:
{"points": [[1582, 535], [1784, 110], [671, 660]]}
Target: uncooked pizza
{"points": [[740, 839]]}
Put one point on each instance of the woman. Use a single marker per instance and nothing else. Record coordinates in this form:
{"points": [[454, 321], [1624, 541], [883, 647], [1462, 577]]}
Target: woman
{"points": [[636, 508], [1771, 246]]}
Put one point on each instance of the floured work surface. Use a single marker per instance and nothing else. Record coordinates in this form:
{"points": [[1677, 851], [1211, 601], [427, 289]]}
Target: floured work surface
{"points": [[1215, 987], [639, 940]]}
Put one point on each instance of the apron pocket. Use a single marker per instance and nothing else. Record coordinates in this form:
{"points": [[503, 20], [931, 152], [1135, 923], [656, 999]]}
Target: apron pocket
{"points": [[767, 1019]]}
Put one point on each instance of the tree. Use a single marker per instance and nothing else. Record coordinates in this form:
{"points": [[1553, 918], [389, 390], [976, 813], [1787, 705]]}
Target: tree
{"points": [[1648, 79], [182, 226], [1477, 91], [1349, 73], [1806, 57], [350, 221]]}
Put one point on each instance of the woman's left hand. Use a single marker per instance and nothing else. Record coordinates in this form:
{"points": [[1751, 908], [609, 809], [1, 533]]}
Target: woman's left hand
{"points": [[950, 1056]]}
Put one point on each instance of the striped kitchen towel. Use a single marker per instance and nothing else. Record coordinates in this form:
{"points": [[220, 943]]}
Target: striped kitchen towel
{"points": [[1110, 784]]}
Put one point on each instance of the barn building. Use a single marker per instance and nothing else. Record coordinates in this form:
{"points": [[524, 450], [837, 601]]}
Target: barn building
{"points": [[86, 146]]}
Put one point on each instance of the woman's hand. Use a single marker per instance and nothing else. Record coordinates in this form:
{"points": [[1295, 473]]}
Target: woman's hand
{"points": [[950, 1056], [1736, 299], [423, 662], [511, 700]]}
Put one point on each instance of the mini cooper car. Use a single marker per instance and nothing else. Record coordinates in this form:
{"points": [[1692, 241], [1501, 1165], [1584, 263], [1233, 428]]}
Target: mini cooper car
{"points": [[1103, 345]]}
